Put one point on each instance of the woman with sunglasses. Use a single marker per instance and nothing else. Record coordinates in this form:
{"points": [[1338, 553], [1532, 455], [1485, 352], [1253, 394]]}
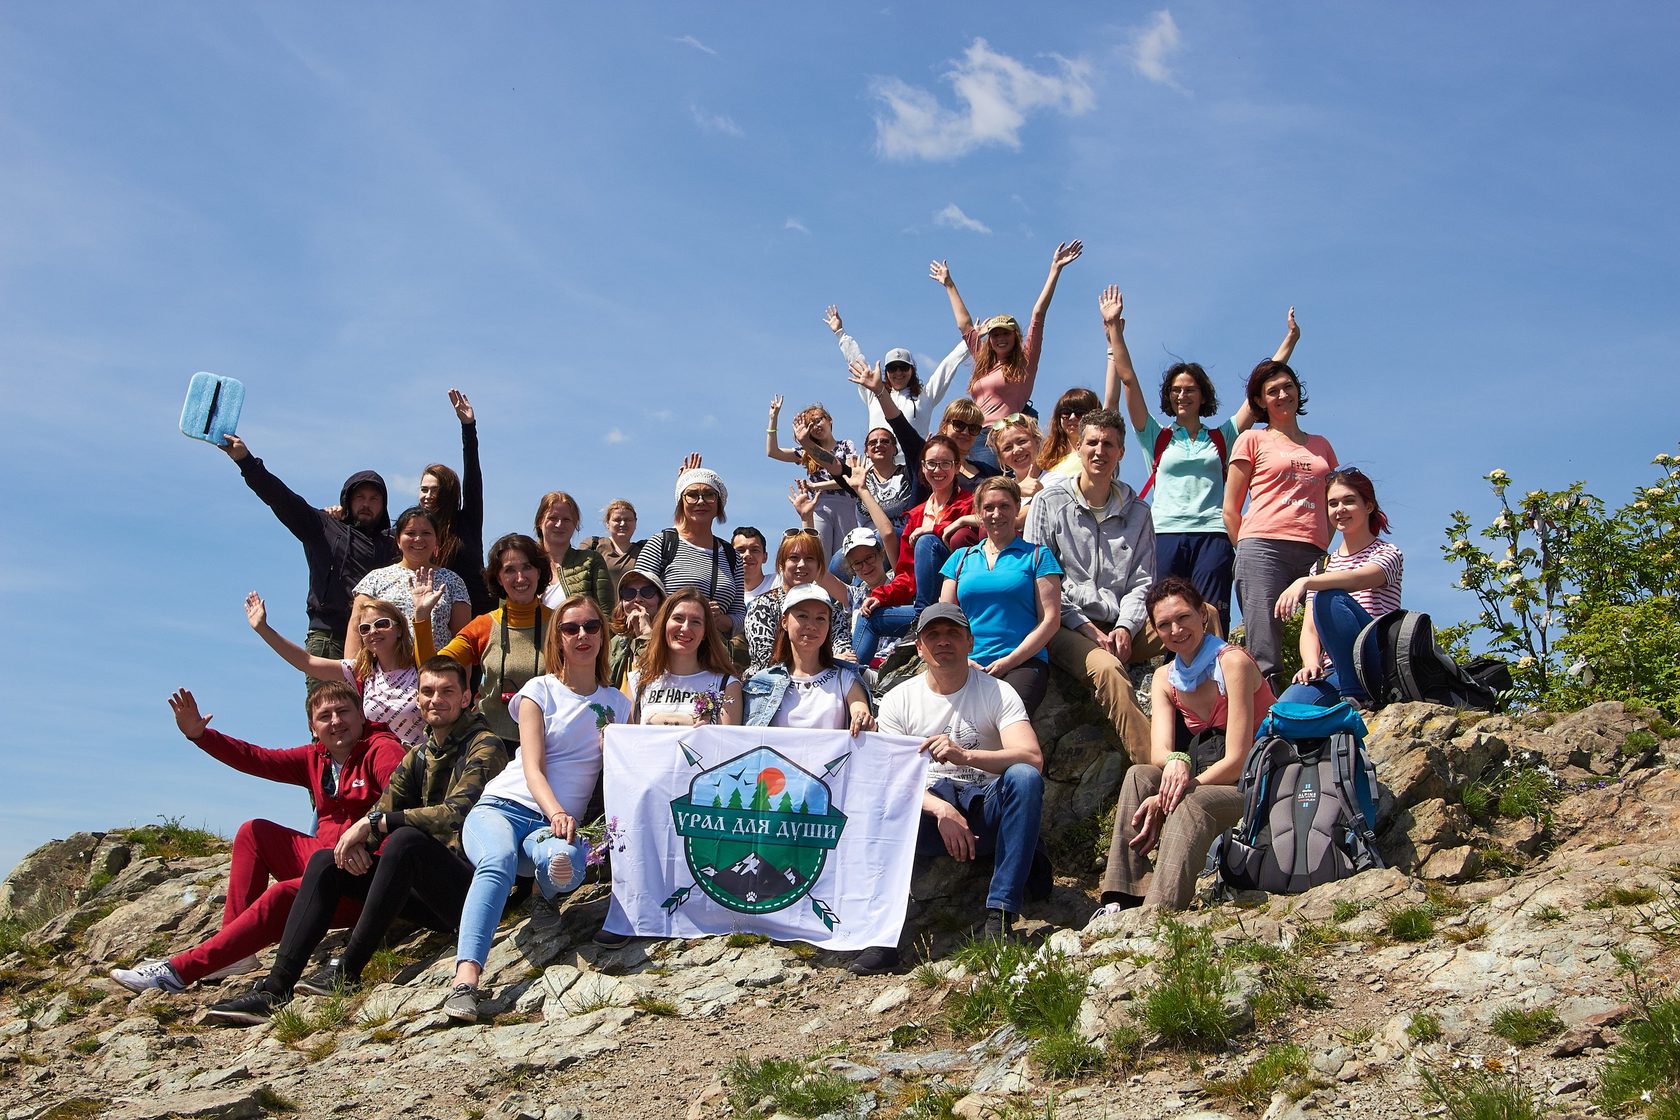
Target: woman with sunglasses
{"points": [[887, 480], [684, 677], [916, 400], [1281, 472], [572, 571], [800, 560], [417, 546], [1005, 363], [639, 596], [507, 643], [1015, 441], [1011, 592], [1187, 459], [384, 670], [1359, 581], [526, 820], [803, 685], [819, 453], [1059, 457], [690, 555], [923, 547]]}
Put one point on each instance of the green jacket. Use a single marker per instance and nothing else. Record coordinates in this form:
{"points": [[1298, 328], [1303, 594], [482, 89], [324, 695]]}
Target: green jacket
{"points": [[583, 572], [439, 780]]}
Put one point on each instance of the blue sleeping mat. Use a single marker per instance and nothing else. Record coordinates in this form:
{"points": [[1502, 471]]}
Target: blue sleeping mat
{"points": [[212, 407]]}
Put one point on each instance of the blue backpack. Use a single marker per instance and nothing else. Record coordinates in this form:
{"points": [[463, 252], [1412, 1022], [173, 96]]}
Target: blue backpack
{"points": [[1309, 799]]}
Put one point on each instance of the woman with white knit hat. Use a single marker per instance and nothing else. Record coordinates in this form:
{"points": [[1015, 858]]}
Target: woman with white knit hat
{"points": [[689, 554]]}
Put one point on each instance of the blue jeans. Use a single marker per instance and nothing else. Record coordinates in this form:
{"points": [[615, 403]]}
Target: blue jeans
{"points": [[503, 838], [1339, 620], [1004, 814], [931, 554], [1207, 560], [869, 629]]}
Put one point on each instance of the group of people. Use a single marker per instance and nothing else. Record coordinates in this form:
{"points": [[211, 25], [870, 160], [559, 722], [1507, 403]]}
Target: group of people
{"points": [[458, 696]]}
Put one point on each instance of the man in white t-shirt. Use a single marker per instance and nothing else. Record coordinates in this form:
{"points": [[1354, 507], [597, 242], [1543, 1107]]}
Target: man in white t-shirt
{"points": [[985, 784]]}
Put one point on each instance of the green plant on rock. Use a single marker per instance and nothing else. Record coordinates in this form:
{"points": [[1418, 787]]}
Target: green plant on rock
{"points": [[1411, 923], [1647, 1059], [1065, 1054], [1423, 1027], [1471, 1094], [1525, 1026], [1037, 990], [1185, 1005], [1280, 1067], [787, 1085], [1613, 896], [174, 840]]}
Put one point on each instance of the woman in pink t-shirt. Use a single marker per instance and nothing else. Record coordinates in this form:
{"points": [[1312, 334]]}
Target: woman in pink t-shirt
{"points": [[1005, 362], [1281, 472]]}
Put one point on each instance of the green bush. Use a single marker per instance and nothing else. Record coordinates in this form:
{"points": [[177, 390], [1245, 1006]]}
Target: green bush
{"points": [[1646, 1060], [1186, 1004], [791, 1085], [1525, 1026], [1423, 1027]]}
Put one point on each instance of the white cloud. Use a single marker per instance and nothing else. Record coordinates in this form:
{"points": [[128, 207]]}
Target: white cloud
{"points": [[663, 415], [997, 92], [715, 122], [691, 41], [1154, 48], [952, 217], [796, 225], [616, 435]]}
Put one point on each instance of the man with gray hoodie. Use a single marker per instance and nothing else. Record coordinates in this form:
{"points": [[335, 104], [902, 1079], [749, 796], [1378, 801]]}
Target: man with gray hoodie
{"points": [[1103, 537]]}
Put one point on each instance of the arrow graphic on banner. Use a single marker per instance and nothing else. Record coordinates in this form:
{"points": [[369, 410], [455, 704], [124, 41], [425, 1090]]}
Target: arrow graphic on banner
{"points": [[692, 758], [832, 768]]}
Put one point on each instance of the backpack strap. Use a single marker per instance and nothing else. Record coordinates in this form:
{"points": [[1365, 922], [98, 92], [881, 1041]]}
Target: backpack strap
{"points": [[1162, 441]]}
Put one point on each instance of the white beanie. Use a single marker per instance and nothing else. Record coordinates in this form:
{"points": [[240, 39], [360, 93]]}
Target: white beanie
{"points": [[700, 476]]}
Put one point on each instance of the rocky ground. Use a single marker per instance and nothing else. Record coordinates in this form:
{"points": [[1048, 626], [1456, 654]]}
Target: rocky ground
{"points": [[1534, 867]]}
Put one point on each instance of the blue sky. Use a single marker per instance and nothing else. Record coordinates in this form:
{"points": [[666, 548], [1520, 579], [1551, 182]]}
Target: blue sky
{"points": [[616, 227]]}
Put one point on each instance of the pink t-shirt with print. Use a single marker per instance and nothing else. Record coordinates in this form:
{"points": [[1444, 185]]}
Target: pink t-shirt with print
{"points": [[1286, 490]]}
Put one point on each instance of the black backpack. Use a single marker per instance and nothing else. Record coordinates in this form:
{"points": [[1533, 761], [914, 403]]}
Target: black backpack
{"points": [[1396, 659], [1309, 798]]}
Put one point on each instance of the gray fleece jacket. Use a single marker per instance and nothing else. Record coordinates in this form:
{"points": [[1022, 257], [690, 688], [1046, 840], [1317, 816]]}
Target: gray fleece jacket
{"points": [[1107, 555]]}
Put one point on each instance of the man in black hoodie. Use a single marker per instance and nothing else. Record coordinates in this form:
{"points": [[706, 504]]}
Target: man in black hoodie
{"points": [[340, 550]]}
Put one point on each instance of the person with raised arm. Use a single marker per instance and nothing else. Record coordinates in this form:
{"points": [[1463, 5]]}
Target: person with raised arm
{"points": [[619, 548], [916, 401], [1011, 592], [800, 559], [456, 503], [527, 820], [1187, 461], [1102, 537], [1015, 441], [572, 571], [385, 671], [1206, 703], [802, 685], [508, 642], [340, 544], [689, 554], [1005, 362], [823, 457], [961, 424], [1281, 472], [1359, 582], [345, 768], [1059, 457], [417, 546]]}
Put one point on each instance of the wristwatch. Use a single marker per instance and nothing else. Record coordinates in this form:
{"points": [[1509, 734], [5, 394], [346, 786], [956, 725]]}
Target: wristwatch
{"points": [[376, 821]]}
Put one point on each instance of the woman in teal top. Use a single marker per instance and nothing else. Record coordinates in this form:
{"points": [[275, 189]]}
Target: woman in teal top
{"points": [[1187, 474], [1011, 591]]}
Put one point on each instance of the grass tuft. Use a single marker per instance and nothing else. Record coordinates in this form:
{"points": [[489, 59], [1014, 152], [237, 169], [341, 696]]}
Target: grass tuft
{"points": [[740, 940], [174, 840], [1469, 1094], [272, 1100], [1039, 991], [1423, 1028], [1549, 913], [1186, 1004], [1411, 923], [787, 1085], [1646, 1060], [1612, 897], [1345, 910], [1525, 1026], [1278, 1067], [290, 1025], [653, 1005]]}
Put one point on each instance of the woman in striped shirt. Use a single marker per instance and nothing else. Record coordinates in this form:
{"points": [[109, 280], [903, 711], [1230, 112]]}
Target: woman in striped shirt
{"points": [[1358, 582]]}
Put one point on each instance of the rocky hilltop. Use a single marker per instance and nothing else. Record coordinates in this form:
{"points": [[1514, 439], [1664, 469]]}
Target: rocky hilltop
{"points": [[1524, 933]]}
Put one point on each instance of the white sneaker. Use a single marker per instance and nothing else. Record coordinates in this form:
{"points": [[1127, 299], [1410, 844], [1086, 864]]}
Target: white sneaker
{"points": [[237, 968], [148, 975]]}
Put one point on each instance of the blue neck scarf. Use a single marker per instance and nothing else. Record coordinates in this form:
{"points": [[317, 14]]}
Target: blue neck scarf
{"points": [[1186, 677]]}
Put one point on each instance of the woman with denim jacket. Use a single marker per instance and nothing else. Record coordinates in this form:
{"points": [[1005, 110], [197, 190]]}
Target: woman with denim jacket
{"points": [[803, 686]]}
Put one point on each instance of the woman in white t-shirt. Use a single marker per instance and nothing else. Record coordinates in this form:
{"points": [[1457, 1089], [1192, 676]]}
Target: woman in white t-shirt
{"points": [[525, 820], [685, 677], [803, 686], [1359, 582]]}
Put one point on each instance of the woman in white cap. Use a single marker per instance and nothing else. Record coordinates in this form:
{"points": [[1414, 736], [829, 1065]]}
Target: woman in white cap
{"points": [[803, 686], [690, 555], [1005, 361], [917, 400]]}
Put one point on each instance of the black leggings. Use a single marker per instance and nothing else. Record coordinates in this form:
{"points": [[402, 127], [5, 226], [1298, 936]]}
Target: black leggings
{"points": [[1029, 681], [414, 874]]}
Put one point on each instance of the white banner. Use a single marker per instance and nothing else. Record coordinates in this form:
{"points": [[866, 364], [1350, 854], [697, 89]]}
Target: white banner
{"points": [[798, 835]]}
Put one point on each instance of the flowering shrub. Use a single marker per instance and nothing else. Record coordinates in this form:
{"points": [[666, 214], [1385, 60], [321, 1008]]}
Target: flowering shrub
{"points": [[1581, 602]]}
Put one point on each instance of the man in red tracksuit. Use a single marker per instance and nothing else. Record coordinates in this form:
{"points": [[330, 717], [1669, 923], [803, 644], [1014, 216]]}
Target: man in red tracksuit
{"points": [[345, 770]]}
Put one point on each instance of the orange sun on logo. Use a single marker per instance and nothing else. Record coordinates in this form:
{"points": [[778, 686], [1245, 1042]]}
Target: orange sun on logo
{"points": [[774, 780]]}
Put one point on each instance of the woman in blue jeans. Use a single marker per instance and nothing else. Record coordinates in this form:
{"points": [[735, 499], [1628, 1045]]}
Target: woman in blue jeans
{"points": [[524, 821], [1360, 581]]}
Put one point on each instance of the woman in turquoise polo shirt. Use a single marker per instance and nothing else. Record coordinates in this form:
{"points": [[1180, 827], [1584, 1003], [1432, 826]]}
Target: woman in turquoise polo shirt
{"points": [[1011, 591], [1187, 462]]}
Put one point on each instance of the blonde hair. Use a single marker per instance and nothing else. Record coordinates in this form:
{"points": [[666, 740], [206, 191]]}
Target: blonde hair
{"points": [[366, 664], [554, 657], [807, 416], [996, 431]]}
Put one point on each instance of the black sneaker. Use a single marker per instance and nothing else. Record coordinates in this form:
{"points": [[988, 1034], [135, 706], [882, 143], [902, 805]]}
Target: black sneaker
{"points": [[609, 940], [998, 927], [329, 981], [252, 1009], [874, 961]]}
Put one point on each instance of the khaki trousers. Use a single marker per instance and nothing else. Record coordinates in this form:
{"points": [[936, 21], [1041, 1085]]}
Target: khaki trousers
{"points": [[1169, 879], [1072, 652]]}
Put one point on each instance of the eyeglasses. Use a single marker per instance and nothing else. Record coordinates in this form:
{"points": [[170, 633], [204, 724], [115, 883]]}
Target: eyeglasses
{"points": [[1182, 390], [891, 366], [884, 441], [641, 591], [968, 426], [699, 497], [800, 532], [939, 464], [573, 629], [1012, 418], [367, 628]]}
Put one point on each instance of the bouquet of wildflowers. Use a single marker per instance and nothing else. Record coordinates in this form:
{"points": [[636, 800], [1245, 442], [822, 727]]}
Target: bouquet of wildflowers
{"points": [[603, 835], [709, 706]]}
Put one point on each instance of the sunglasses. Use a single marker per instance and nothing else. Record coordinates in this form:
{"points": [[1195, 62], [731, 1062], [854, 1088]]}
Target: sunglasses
{"points": [[367, 628], [882, 441], [641, 591], [1012, 418], [801, 532], [699, 497], [1345, 472], [968, 426], [891, 366], [573, 629]]}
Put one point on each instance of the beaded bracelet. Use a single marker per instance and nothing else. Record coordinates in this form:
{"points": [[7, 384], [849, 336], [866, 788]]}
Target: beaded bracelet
{"points": [[1180, 756]]}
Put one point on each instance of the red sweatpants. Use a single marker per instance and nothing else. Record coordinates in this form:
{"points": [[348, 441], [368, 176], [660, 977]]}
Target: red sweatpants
{"points": [[255, 914]]}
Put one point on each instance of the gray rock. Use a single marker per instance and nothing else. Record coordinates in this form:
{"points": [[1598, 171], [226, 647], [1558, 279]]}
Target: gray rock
{"points": [[44, 882]]}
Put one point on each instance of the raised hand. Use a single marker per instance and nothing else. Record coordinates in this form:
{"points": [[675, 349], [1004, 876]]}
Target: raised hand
{"points": [[803, 500], [424, 591], [1112, 305], [256, 611], [463, 407], [832, 318], [857, 471], [235, 448], [690, 462], [939, 272], [192, 724], [801, 428], [1066, 253], [866, 375], [1294, 328]]}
